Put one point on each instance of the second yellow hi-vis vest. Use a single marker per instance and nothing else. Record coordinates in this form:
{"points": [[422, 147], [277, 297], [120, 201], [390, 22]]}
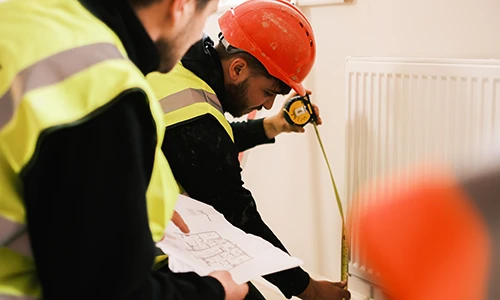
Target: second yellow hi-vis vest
{"points": [[184, 96], [53, 55]]}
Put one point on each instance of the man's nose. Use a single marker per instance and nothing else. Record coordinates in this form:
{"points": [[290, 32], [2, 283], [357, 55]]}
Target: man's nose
{"points": [[268, 104]]}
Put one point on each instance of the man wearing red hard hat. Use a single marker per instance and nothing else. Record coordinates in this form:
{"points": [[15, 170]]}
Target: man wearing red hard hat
{"points": [[266, 48]]}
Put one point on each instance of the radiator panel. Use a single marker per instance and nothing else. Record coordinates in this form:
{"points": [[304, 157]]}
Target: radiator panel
{"points": [[401, 112]]}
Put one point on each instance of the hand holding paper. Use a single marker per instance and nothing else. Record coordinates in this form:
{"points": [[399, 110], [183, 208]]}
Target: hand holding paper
{"points": [[214, 244]]}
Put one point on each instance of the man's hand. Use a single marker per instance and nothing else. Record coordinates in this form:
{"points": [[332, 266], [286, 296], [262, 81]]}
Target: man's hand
{"points": [[320, 290], [277, 124], [233, 291], [179, 222]]}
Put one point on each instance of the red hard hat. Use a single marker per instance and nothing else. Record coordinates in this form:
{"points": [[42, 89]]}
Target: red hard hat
{"points": [[276, 33]]}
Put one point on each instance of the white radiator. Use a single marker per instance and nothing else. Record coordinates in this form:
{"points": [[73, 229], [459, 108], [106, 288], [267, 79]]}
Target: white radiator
{"points": [[404, 111]]}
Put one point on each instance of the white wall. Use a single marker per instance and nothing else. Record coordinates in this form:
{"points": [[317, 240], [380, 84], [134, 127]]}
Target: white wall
{"points": [[289, 179]]}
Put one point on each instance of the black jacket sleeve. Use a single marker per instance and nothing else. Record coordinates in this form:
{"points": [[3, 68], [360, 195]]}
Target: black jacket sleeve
{"points": [[86, 210], [248, 134], [204, 160]]}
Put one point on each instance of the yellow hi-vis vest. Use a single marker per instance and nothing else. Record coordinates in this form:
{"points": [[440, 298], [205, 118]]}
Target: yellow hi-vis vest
{"points": [[58, 64], [184, 96]]}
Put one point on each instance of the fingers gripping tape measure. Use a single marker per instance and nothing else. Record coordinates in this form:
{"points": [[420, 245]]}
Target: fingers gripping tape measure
{"points": [[299, 111]]}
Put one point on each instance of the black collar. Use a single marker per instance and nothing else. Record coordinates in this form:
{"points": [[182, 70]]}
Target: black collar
{"points": [[203, 60], [121, 18]]}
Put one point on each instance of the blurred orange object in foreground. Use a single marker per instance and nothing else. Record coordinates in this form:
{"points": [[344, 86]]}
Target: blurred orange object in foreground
{"points": [[433, 240]]}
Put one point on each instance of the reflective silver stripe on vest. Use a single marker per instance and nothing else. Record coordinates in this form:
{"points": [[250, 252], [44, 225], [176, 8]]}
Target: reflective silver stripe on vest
{"points": [[187, 97], [52, 70], [485, 191], [14, 236], [11, 297]]}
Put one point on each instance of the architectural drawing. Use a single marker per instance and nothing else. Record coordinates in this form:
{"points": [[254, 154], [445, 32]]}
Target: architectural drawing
{"points": [[215, 251]]}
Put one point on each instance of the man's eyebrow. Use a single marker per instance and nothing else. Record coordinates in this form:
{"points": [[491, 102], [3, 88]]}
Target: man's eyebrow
{"points": [[274, 92]]}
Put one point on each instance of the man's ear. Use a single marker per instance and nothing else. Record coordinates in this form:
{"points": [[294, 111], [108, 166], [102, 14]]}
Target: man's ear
{"points": [[177, 9], [238, 70]]}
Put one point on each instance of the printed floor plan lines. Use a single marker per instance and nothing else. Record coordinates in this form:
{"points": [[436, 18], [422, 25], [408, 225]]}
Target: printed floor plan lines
{"points": [[197, 212], [214, 250]]}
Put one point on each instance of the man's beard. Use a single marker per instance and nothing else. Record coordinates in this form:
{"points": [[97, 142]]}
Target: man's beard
{"points": [[166, 53], [236, 99]]}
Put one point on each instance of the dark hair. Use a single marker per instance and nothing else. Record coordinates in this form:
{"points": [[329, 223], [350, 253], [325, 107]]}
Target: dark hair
{"points": [[142, 3], [200, 4], [255, 66]]}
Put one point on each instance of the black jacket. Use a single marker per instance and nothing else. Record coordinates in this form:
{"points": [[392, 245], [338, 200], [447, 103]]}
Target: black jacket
{"points": [[204, 160], [84, 194]]}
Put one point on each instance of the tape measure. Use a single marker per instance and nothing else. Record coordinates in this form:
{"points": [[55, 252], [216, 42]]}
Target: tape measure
{"points": [[299, 111]]}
